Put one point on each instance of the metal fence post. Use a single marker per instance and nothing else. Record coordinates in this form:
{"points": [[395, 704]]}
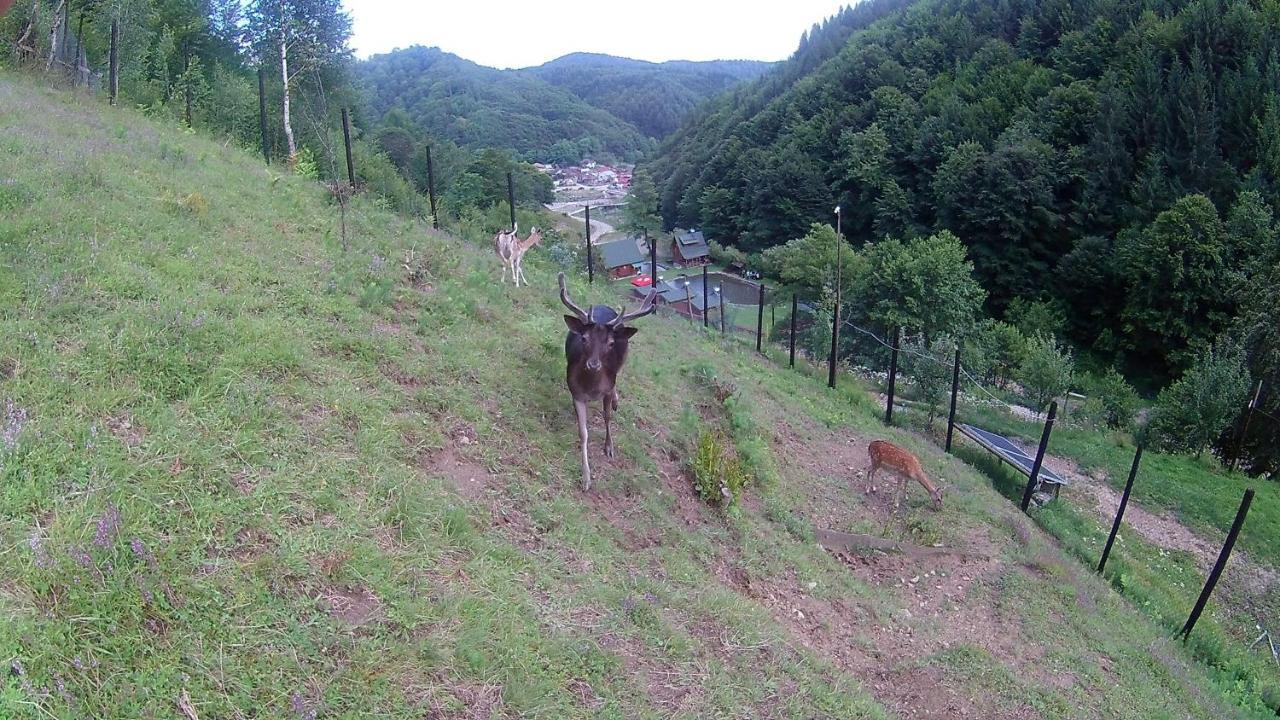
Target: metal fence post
{"points": [[431, 190], [113, 65], [346, 140], [760, 320], [511, 200], [262, 111], [1124, 502], [795, 304], [1219, 566], [1244, 432], [955, 393], [705, 297], [1044, 444], [591, 271], [893, 376]]}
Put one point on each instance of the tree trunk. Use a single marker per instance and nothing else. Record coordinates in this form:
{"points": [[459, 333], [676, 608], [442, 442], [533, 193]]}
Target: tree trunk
{"points": [[284, 76], [53, 35], [23, 48]]}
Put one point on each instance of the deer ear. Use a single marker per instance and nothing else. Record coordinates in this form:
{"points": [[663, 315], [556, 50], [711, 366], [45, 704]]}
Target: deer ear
{"points": [[625, 332], [575, 323]]}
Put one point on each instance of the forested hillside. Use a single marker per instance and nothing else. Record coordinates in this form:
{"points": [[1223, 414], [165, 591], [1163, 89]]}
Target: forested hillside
{"points": [[480, 107], [1117, 158], [654, 97]]}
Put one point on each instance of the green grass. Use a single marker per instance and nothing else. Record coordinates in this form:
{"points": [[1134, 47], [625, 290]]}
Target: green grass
{"points": [[246, 479]]}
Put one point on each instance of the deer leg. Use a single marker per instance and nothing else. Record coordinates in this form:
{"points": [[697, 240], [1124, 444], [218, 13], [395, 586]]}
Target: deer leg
{"points": [[608, 421], [580, 407]]}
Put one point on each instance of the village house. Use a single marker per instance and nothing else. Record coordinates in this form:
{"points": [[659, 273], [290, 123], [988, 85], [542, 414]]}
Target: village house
{"points": [[684, 295], [689, 247], [621, 258]]}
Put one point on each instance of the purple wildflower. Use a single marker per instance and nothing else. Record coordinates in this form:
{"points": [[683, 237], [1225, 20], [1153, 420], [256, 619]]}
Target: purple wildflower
{"points": [[651, 598], [301, 708], [36, 543], [108, 527], [15, 419], [141, 552], [81, 557], [628, 603]]}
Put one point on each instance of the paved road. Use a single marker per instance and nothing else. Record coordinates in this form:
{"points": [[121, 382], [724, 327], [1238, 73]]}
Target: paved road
{"points": [[575, 210]]}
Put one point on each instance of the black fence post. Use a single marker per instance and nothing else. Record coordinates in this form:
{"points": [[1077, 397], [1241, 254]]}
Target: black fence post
{"points": [[653, 261], [955, 393], [893, 376], [511, 200], [706, 298], [1124, 502], [431, 190], [591, 271], [186, 87], [760, 321], [835, 343], [75, 78], [1035, 467], [262, 113], [1244, 432], [1219, 566], [113, 65], [795, 305], [346, 139]]}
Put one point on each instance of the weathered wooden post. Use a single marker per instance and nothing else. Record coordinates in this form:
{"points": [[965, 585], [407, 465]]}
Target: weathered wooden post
{"points": [[346, 139], [955, 393], [591, 271], [262, 113], [431, 190], [835, 348], [80, 61], [795, 304], [113, 64], [1219, 566], [511, 200], [1124, 502], [688, 298], [705, 297], [893, 376], [760, 320], [1035, 467]]}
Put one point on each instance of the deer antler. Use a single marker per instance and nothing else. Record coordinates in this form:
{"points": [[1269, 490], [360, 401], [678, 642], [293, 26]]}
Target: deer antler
{"points": [[564, 298], [645, 308]]}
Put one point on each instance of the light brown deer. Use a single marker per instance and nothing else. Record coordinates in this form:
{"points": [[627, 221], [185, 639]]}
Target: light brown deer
{"points": [[522, 247], [903, 464], [504, 243]]}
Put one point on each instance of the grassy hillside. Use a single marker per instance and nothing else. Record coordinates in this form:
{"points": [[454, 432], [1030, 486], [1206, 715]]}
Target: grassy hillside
{"points": [[247, 473]]}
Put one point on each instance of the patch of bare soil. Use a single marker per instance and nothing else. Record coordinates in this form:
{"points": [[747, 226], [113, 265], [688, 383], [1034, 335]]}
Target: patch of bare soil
{"points": [[393, 373], [126, 429], [477, 702], [351, 606], [470, 479]]}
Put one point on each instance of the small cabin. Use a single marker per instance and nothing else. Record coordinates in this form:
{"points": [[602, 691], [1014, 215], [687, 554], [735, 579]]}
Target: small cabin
{"points": [[621, 258], [690, 248]]}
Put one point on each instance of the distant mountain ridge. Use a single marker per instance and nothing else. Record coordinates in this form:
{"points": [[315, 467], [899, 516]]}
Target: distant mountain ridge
{"points": [[579, 104], [654, 97]]}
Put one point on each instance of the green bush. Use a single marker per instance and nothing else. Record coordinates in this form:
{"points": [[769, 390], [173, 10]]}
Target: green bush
{"points": [[1191, 413], [718, 476], [1046, 370], [1111, 401]]}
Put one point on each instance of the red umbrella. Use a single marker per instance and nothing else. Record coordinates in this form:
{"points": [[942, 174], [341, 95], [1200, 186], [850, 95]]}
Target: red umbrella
{"points": [[642, 281]]}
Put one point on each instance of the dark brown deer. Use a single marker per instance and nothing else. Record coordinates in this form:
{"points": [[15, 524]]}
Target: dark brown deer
{"points": [[596, 348]]}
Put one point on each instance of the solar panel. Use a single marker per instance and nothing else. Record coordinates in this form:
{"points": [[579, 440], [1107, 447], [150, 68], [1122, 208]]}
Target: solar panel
{"points": [[1009, 452]]}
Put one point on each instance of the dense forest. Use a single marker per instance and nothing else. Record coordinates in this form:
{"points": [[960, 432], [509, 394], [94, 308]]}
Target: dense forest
{"points": [[477, 107], [1119, 157], [580, 105], [654, 97]]}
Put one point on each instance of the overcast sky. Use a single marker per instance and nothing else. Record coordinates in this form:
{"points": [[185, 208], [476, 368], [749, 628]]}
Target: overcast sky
{"points": [[520, 33]]}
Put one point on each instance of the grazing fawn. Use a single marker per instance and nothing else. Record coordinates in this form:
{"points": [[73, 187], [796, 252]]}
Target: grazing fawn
{"points": [[903, 464]]}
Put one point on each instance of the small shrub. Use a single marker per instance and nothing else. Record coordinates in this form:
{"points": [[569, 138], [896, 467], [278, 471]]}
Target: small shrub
{"points": [[1111, 401], [1046, 370], [718, 476], [304, 165]]}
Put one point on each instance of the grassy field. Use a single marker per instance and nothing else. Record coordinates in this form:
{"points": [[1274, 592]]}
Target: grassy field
{"points": [[246, 472]]}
